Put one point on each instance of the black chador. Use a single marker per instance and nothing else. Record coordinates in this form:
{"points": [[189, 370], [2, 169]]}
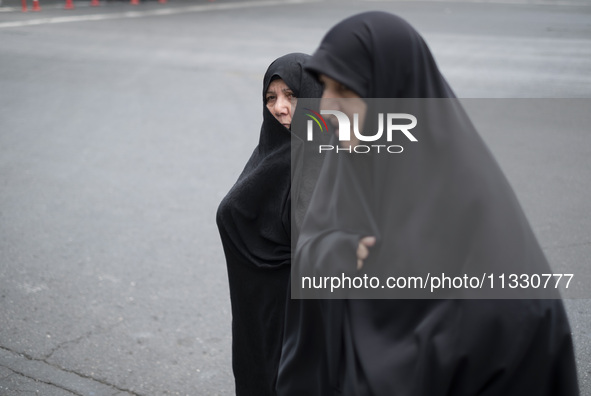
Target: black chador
{"points": [[254, 220]]}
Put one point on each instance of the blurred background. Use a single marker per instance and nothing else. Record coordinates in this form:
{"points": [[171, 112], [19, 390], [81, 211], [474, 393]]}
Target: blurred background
{"points": [[122, 127]]}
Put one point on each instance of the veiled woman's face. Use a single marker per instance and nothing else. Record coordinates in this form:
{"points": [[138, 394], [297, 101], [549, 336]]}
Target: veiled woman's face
{"points": [[281, 101], [336, 96]]}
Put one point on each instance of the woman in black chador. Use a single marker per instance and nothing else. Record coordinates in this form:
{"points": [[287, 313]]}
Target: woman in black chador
{"points": [[254, 220], [440, 205]]}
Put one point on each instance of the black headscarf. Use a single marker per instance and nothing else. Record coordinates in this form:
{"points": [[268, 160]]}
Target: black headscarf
{"points": [[379, 55], [254, 220], [443, 203]]}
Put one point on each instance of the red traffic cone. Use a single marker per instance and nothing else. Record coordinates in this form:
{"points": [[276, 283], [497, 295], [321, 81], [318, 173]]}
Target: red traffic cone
{"points": [[95, 3], [69, 5], [134, 2], [162, 1], [36, 6], [24, 4]]}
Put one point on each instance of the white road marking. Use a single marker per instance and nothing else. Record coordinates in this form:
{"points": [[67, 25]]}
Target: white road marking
{"points": [[149, 13], [504, 2]]}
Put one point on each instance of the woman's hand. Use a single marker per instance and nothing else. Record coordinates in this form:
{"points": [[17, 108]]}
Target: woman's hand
{"points": [[363, 249]]}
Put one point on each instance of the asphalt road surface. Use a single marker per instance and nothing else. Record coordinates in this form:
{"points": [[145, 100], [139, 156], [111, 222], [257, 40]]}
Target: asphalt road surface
{"points": [[122, 127]]}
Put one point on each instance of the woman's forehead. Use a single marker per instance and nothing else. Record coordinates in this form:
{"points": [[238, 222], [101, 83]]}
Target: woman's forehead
{"points": [[278, 84]]}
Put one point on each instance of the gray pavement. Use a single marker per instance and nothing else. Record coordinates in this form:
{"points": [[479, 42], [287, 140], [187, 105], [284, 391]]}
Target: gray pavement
{"points": [[121, 128]]}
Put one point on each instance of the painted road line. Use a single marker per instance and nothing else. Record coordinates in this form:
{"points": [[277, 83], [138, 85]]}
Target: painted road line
{"points": [[149, 13]]}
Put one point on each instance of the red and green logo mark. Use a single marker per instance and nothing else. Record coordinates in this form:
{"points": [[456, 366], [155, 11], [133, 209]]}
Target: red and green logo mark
{"points": [[315, 117]]}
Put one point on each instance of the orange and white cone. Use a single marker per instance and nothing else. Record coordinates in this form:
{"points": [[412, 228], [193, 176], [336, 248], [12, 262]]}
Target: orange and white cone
{"points": [[36, 6], [69, 5], [24, 5]]}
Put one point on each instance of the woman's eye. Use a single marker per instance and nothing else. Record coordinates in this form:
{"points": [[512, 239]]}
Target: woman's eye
{"points": [[270, 98]]}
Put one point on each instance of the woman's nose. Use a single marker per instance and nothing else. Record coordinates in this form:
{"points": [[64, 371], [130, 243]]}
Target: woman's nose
{"points": [[330, 102], [329, 93], [282, 105]]}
